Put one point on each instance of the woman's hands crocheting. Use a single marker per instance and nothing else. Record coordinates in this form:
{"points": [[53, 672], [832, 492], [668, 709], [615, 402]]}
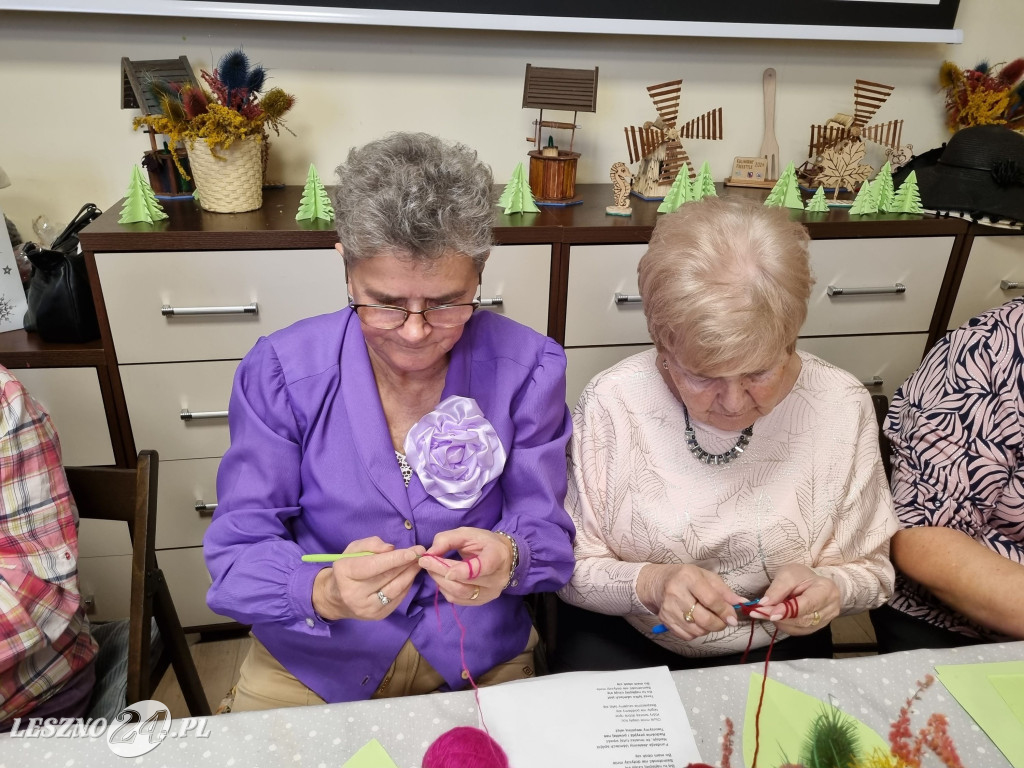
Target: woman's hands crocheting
{"points": [[689, 600], [816, 600], [481, 574], [369, 587]]}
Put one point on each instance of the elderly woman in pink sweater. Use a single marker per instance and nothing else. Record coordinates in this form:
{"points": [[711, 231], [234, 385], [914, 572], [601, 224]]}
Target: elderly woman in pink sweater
{"points": [[723, 466]]}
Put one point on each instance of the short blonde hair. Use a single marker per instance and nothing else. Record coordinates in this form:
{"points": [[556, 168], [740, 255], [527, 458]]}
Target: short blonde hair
{"points": [[725, 284]]}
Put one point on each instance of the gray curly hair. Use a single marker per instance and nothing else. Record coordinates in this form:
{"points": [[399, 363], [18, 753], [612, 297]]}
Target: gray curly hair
{"points": [[415, 195]]}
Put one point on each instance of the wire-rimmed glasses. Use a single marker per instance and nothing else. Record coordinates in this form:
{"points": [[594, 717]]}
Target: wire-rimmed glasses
{"points": [[387, 318]]}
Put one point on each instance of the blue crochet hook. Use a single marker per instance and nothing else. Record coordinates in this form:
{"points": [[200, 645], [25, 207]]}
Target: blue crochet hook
{"points": [[660, 629]]}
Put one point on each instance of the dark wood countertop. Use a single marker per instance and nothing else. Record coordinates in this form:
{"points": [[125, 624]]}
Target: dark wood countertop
{"points": [[21, 349], [274, 226]]}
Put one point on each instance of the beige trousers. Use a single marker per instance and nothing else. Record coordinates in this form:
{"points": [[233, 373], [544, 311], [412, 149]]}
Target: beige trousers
{"points": [[264, 684]]}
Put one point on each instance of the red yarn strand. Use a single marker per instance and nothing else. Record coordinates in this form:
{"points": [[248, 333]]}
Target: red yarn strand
{"points": [[790, 609]]}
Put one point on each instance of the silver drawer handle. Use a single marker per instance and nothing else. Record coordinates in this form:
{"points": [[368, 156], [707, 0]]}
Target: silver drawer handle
{"points": [[835, 290], [496, 301], [628, 298], [204, 509], [248, 309], [1010, 285], [187, 415], [876, 381]]}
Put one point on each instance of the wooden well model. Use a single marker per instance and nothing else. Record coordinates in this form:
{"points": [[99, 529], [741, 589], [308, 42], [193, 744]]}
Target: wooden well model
{"points": [[552, 168]]}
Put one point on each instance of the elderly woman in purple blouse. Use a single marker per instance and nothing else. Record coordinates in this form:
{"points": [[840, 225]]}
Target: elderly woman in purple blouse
{"points": [[408, 429]]}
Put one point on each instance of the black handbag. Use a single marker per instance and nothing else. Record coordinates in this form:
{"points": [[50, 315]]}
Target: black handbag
{"points": [[60, 306]]}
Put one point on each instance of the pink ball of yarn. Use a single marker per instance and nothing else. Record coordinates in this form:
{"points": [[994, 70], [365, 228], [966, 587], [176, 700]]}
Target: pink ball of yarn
{"points": [[465, 747]]}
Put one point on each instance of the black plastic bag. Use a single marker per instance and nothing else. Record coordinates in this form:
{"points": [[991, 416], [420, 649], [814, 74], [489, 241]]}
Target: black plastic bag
{"points": [[60, 306]]}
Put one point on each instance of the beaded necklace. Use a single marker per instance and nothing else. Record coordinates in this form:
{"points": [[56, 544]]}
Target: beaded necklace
{"points": [[714, 458]]}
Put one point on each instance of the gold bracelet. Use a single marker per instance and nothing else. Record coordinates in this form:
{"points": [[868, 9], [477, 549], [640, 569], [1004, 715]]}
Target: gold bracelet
{"points": [[515, 558]]}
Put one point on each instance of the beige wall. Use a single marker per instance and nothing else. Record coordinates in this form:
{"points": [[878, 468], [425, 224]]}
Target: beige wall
{"points": [[64, 140]]}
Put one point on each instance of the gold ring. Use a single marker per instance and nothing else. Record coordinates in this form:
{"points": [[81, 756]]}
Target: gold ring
{"points": [[476, 593], [689, 614], [815, 619]]}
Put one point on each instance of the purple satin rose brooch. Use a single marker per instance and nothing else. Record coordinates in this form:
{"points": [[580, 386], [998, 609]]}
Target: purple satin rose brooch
{"points": [[455, 452]]}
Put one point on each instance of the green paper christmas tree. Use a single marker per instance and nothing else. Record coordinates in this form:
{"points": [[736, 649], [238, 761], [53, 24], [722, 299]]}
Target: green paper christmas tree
{"points": [[140, 203], [866, 202], [786, 192], [818, 203], [908, 196], [679, 193], [517, 197], [883, 189], [704, 184], [315, 204]]}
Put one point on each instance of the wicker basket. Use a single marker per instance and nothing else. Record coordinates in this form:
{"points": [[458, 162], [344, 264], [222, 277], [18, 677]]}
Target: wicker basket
{"points": [[230, 181]]}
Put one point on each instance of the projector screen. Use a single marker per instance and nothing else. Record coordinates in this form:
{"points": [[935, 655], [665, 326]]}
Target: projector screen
{"points": [[881, 20]]}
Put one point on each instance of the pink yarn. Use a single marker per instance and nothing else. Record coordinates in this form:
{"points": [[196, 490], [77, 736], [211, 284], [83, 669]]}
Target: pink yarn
{"points": [[465, 747]]}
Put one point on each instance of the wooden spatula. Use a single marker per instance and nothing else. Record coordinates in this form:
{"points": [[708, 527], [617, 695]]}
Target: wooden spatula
{"points": [[770, 147]]}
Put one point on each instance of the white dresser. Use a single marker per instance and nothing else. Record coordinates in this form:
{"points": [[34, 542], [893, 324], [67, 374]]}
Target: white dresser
{"points": [[184, 300], [870, 309], [179, 321]]}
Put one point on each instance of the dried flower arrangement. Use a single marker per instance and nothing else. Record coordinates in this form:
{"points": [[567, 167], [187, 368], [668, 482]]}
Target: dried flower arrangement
{"points": [[232, 109], [985, 95], [831, 742]]}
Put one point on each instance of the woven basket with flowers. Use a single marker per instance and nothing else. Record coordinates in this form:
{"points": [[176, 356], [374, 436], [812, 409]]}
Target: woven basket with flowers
{"points": [[225, 129]]}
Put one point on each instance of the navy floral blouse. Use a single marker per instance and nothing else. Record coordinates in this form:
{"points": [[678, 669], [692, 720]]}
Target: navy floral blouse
{"points": [[957, 428]]}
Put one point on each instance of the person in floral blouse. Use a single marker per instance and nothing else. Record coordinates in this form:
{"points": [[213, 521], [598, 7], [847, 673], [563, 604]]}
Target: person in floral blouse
{"points": [[407, 427], [957, 433]]}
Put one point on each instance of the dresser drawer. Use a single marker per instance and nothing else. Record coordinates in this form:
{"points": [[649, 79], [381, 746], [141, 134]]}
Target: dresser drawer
{"points": [[993, 260], [519, 275], [592, 315], [188, 581], [156, 395], [883, 363], [103, 538], [879, 265], [105, 584], [185, 485], [73, 399], [585, 363], [284, 286]]}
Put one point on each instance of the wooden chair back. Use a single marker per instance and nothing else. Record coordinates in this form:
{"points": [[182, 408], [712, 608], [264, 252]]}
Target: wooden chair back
{"points": [[129, 495]]}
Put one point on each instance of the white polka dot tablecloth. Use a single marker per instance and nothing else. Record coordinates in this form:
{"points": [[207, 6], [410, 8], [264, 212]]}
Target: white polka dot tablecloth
{"points": [[871, 688]]}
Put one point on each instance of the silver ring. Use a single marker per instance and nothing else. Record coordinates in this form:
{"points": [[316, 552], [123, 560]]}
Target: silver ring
{"points": [[384, 599]]}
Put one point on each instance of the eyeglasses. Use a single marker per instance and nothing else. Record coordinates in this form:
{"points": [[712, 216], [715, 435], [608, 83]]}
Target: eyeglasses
{"points": [[387, 318]]}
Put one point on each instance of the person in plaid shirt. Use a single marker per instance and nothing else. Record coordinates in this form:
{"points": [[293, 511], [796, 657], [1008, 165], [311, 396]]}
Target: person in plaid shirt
{"points": [[47, 656]]}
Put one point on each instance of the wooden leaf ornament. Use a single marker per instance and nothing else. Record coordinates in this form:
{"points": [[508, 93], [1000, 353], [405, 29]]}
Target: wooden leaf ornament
{"points": [[841, 166]]}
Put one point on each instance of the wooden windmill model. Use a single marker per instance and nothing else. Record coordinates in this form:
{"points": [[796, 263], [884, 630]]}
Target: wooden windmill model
{"points": [[828, 141], [658, 146]]}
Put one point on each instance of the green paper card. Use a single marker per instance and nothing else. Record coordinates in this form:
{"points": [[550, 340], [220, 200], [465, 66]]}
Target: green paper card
{"points": [[786, 719], [1011, 688], [372, 755], [980, 690]]}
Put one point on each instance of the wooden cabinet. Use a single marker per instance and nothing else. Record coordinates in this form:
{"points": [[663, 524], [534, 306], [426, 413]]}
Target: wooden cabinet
{"points": [[569, 272], [182, 306], [993, 274], [74, 401]]}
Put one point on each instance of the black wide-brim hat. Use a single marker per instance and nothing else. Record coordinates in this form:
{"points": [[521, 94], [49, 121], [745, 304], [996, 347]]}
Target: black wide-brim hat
{"points": [[980, 172]]}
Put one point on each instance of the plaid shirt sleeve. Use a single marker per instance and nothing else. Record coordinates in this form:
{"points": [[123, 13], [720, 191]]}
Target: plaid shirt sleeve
{"points": [[44, 637]]}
